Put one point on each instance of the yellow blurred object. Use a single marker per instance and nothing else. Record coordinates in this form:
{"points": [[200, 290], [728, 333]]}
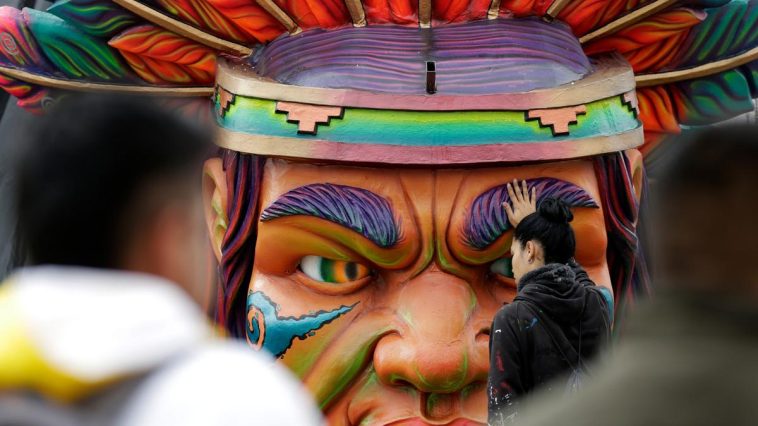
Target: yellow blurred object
{"points": [[23, 366]]}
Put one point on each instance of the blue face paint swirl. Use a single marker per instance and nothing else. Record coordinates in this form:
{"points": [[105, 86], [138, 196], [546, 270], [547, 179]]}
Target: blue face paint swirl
{"points": [[267, 330]]}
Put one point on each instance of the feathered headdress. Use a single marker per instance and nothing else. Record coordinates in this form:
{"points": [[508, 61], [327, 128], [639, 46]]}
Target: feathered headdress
{"points": [[694, 61]]}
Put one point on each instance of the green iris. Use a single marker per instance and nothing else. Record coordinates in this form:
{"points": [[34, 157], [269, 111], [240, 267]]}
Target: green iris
{"points": [[503, 266], [332, 271]]}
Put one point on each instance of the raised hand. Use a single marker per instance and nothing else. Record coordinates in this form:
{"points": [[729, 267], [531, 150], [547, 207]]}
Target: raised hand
{"points": [[523, 203]]}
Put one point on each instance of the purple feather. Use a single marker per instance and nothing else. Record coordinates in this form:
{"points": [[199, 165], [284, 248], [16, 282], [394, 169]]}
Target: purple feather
{"points": [[499, 56]]}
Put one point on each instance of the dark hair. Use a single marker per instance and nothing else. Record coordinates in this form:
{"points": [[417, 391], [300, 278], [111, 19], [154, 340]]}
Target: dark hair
{"points": [[550, 227], [81, 176], [244, 174]]}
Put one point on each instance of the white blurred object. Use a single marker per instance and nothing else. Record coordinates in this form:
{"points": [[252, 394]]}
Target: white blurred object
{"points": [[245, 390], [104, 326], [95, 324]]}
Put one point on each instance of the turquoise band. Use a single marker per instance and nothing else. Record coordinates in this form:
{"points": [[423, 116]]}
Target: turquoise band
{"points": [[256, 116]]}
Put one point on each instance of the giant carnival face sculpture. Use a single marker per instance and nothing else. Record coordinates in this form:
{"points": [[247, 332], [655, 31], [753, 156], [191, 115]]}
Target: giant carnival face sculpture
{"points": [[355, 205], [367, 240]]}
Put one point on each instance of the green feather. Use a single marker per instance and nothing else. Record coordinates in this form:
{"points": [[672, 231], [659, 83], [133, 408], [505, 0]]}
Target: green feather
{"points": [[74, 52], [727, 31], [97, 17], [707, 100]]}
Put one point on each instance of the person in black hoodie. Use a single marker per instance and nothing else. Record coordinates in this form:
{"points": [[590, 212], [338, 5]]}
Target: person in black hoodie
{"points": [[559, 318]]}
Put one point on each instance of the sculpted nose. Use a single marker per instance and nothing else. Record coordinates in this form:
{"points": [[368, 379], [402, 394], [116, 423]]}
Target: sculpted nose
{"points": [[437, 350]]}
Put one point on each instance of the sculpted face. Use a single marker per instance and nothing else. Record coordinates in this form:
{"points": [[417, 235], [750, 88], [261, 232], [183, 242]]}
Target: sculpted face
{"points": [[377, 286]]}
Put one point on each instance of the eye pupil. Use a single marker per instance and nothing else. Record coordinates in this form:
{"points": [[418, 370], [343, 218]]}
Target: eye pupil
{"points": [[503, 267], [351, 270]]}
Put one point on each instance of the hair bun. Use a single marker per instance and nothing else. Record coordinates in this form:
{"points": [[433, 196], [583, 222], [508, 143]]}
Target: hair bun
{"points": [[555, 211]]}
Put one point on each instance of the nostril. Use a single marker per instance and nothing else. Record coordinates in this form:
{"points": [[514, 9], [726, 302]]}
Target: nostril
{"points": [[483, 336], [397, 381], [439, 406]]}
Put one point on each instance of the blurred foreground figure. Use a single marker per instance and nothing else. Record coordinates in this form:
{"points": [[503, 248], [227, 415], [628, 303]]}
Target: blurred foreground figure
{"points": [[103, 329], [689, 356]]}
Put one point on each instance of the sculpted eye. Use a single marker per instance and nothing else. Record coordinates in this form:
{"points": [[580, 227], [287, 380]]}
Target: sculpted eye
{"points": [[503, 266], [332, 271]]}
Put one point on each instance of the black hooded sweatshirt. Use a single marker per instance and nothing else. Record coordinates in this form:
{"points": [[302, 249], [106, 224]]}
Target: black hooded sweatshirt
{"points": [[523, 355]]}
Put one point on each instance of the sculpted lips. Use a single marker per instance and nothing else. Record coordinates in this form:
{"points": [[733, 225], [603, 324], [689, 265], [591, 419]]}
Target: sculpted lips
{"points": [[420, 422]]}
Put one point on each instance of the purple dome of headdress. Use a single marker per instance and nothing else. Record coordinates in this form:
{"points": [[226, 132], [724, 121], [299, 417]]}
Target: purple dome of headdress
{"points": [[483, 57]]}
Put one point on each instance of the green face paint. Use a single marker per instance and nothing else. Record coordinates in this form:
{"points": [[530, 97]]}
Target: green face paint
{"points": [[503, 266]]}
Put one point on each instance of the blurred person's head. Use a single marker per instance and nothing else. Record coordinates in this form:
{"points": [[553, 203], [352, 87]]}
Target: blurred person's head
{"points": [[114, 183], [543, 237], [706, 211]]}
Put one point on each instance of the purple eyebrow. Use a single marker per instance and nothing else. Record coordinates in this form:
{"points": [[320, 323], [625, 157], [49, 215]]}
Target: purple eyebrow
{"points": [[358, 209], [487, 219]]}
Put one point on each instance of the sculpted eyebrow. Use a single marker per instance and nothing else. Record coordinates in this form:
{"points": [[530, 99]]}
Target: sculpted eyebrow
{"points": [[355, 208], [487, 219]]}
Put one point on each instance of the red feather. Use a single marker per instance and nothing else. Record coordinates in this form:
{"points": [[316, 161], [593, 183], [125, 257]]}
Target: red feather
{"points": [[202, 14], [585, 16], [30, 97], [657, 110], [250, 18], [651, 44], [522, 8], [449, 11], [161, 57], [316, 13], [399, 12]]}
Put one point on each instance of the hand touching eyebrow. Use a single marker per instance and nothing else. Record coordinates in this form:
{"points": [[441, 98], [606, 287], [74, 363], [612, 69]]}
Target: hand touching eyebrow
{"points": [[523, 202], [488, 219]]}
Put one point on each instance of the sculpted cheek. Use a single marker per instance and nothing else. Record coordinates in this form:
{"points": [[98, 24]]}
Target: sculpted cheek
{"points": [[591, 237], [275, 333], [302, 331]]}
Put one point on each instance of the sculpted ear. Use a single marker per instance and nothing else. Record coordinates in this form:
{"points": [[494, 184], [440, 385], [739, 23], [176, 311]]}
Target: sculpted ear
{"points": [[637, 169], [214, 203]]}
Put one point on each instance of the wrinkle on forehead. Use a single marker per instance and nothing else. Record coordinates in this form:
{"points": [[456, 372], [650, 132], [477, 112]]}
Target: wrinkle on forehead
{"points": [[436, 208]]}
